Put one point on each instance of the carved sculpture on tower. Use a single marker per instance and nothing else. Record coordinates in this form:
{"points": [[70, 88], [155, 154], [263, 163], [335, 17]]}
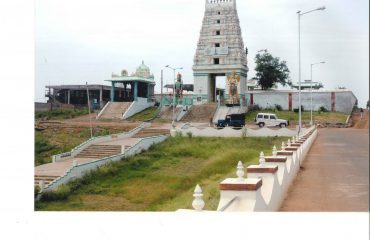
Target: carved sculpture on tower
{"points": [[233, 81]]}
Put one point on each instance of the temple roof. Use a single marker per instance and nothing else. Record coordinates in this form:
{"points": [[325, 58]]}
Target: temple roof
{"points": [[142, 74]]}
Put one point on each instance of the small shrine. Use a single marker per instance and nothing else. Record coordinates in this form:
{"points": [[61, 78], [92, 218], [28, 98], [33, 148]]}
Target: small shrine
{"points": [[139, 84]]}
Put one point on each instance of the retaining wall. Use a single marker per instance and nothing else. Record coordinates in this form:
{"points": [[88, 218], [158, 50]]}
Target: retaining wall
{"points": [[231, 132]]}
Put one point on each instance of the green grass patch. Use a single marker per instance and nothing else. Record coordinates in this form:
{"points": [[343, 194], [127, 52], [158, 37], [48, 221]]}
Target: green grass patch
{"points": [[163, 178], [293, 117], [145, 115], [60, 114]]}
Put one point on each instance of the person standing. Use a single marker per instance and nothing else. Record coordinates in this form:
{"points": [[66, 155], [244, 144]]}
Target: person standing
{"points": [[361, 112]]}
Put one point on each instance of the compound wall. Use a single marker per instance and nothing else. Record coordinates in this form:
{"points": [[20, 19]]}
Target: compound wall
{"points": [[336, 100]]}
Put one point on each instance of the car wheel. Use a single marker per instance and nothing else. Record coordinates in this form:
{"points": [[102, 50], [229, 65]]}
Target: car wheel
{"points": [[282, 125], [261, 125]]}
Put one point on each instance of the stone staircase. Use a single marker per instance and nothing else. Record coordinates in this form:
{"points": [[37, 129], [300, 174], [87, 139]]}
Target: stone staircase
{"points": [[100, 151], [201, 113], [150, 132], [115, 110], [47, 179]]}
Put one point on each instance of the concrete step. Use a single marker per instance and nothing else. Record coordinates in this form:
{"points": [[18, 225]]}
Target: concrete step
{"points": [[100, 151], [151, 132], [115, 110]]}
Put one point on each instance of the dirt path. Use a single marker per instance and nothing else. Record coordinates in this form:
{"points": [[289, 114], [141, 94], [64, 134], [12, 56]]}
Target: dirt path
{"points": [[84, 121], [335, 174], [358, 122]]}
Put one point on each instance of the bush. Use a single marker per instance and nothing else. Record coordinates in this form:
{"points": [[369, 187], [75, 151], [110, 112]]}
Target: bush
{"points": [[323, 109], [62, 193], [296, 110], [37, 190], [178, 134], [255, 107], [189, 134], [278, 107]]}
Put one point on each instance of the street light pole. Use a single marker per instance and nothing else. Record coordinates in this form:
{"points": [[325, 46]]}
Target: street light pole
{"points": [[311, 122], [299, 55], [161, 89], [174, 96]]}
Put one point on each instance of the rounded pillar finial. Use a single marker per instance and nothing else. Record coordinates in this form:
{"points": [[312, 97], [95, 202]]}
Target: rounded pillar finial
{"points": [[274, 151], [240, 171], [198, 203], [289, 143], [262, 159]]}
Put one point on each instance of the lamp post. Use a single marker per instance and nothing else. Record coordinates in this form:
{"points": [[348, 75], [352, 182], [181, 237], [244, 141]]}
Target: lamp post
{"points": [[174, 93], [299, 53], [312, 64], [161, 89]]}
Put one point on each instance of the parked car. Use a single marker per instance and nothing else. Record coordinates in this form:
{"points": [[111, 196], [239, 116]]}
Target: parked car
{"points": [[232, 120], [270, 120]]}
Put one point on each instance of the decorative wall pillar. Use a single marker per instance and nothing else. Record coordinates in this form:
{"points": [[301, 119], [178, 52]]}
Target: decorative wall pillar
{"points": [[112, 93], [148, 90], [69, 97], [135, 90]]}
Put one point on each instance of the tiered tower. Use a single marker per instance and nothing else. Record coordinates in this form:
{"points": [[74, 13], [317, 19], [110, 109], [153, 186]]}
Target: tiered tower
{"points": [[220, 52]]}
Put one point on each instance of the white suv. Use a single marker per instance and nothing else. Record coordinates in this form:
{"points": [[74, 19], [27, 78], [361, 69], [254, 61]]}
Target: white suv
{"points": [[270, 120]]}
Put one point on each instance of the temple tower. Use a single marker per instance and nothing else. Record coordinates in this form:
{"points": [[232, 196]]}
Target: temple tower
{"points": [[220, 52]]}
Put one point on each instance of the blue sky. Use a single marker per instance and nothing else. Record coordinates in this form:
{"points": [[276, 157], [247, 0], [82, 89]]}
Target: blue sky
{"points": [[85, 41]]}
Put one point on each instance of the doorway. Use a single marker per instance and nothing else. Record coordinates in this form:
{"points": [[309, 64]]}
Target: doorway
{"points": [[217, 83]]}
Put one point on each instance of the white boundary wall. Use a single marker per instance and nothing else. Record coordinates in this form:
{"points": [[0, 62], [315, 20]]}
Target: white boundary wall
{"points": [[333, 100], [75, 151], [77, 171], [269, 195], [230, 132]]}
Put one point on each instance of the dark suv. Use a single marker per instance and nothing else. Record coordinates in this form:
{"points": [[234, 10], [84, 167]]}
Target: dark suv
{"points": [[232, 120]]}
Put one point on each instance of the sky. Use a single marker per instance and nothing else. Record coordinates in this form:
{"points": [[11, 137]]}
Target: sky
{"points": [[85, 41]]}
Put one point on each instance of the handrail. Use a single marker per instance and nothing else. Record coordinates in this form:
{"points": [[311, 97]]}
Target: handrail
{"points": [[228, 204]]}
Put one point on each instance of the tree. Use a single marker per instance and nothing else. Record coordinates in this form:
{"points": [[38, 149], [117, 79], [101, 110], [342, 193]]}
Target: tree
{"points": [[270, 70]]}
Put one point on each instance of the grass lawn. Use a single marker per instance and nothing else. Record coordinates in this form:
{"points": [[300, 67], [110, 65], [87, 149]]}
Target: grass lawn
{"points": [[59, 140], [333, 117], [145, 115], [161, 179]]}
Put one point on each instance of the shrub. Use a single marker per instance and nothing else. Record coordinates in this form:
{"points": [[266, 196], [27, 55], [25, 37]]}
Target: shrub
{"points": [[37, 190], [178, 134], [60, 194], [296, 110], [255, 107], [189, 134], [278, 107], [323, 109], [270, 109]]}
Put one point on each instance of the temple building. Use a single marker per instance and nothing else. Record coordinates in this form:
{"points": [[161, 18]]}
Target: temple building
{"points": [[220, 52], [135, 94], [138, 85]]}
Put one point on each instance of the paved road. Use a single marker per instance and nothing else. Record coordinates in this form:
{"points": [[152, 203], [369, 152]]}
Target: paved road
{"points": [[335, 175]]}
